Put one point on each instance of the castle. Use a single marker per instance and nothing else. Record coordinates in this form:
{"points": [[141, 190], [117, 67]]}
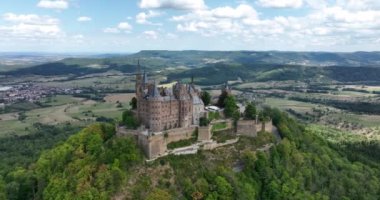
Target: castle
{"points": [[161, 108], [171, 114]]}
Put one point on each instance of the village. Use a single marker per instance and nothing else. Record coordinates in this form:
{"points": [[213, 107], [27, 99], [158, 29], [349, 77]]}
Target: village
{"points": [[31, 92]]}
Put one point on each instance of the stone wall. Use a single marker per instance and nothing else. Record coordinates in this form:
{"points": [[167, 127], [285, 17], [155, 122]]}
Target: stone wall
{"points": [[247, 127], [122, 131], [153, 146], [250, 128], [204, 133], [268, 126], [174, 135]]}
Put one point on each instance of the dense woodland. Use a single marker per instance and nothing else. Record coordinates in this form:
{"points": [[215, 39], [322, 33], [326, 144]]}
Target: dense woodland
{"points": [[94, 164]]}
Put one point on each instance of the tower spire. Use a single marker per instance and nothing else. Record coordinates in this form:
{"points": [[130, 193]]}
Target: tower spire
{"points": [[138, 66]]}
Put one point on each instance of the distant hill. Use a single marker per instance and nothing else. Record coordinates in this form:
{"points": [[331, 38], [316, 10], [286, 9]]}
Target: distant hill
{"points": [[214, 67], [220, 73], [270, 57]]}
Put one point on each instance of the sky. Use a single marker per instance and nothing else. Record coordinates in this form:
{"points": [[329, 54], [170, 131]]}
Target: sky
{"points": [[117, 26]]}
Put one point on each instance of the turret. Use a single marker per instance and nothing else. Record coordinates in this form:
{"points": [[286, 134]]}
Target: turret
{"points": [[138, 86]]}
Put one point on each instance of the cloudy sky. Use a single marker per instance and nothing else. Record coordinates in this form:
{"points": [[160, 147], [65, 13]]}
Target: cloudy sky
{"points": [[133, 25]]}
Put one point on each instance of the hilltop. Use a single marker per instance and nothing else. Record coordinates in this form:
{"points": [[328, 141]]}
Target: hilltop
{"points": [[95, 164]]}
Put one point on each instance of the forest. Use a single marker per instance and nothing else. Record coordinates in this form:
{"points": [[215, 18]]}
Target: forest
{"points": [[95, 164]]}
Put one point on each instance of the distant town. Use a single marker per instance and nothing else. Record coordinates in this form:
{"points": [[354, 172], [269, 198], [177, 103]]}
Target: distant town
{"points": [[30, 92]]}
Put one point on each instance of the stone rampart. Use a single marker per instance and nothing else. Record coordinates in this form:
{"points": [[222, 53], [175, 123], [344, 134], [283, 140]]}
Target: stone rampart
{"points": [[247, 127], [177, 134], [204, 133]]}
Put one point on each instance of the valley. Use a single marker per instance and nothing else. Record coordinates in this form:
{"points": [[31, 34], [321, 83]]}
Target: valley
{"points": [[328, 122]]}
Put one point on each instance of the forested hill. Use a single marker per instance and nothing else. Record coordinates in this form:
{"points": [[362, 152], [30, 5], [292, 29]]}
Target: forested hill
{"points": [[268, 57], [158, 60], [95, 164], [211, 68], [219, 73]]}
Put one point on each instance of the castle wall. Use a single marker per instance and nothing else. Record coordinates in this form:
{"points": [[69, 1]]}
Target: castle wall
{"points": [[268, 126], [247, 127], [153, 146], [179, 134], [250, 128], [204, 133], [122, 131]]}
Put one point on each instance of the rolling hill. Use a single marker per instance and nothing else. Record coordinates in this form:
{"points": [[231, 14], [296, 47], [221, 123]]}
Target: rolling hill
{"points": [[215, 67]]}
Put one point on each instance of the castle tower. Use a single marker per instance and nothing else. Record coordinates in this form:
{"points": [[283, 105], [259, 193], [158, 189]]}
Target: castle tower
{"points": [[138, 86], [226, 88], [154, 102], [139, 91]]}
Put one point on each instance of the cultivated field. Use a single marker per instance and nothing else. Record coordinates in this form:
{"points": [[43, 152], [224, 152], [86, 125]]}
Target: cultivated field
{"points": [[65, 109]]}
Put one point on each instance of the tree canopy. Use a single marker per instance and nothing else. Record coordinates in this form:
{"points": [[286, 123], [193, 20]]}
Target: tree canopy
{"points": [[206, 98], [230, 108], [130, 120], [133, 103], [250, 111]]}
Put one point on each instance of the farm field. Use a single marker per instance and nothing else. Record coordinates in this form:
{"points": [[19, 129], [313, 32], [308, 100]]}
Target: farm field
{"points": [[363, 124], [290, 104], [121, 82], [65, 109]]}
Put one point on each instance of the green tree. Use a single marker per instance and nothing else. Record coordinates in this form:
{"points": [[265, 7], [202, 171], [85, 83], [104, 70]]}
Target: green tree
{"points": [[264, 116], [203, 121], [206, 97], [230, 107], [250, 111], [159, 194], [133, 103], [130, 120], [2, 189], [202, 186], [223, 188], [222, 99]]}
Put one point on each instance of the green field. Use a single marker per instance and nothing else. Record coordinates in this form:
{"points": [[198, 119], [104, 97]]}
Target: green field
{"points": [[290, 104], [116, 82], [62, 109]]}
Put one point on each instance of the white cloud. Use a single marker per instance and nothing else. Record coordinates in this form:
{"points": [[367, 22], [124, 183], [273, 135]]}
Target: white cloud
{"points": [[84, 19], [79, 39], [324, 26], [280, 3], [142, 17], [125, 26], [240, 11], [359, 4], [221, 20], [30, 26], [151, 35], [220, 13], [121, 27], [111, 30], [171, 36], [30, 19], [78, 36], [173, 4], [53, 4]]}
